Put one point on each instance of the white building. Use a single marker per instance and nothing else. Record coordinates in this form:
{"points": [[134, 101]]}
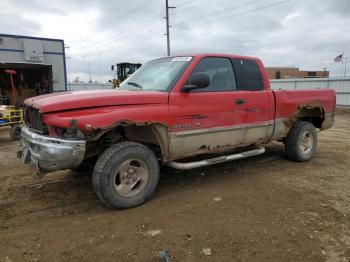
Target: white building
{"points": [[39, 64]]}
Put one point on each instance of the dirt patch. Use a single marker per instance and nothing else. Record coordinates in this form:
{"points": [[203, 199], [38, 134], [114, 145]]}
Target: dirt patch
{"points": [[259, 209]]}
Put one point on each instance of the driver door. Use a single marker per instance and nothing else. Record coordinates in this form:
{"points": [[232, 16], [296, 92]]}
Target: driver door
{"points": [[211, 118]]}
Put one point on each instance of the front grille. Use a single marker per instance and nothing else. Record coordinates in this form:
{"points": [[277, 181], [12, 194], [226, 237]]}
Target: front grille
{"points": [[32, 118]]}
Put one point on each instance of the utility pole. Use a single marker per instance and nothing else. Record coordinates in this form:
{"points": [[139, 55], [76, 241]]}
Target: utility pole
{"points": [[90, 80], [167, 7], [99, 67], [342, 63], [346, 61]]}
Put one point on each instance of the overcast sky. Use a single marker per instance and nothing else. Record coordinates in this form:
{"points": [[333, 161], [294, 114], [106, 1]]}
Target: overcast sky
{"points": [[306, 34]]}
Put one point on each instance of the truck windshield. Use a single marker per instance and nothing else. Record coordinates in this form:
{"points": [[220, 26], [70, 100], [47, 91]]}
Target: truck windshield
{"points": [[157, 75]]}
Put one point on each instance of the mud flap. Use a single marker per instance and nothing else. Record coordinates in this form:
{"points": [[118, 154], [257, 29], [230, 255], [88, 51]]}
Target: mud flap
{"points": [[25, 155]]}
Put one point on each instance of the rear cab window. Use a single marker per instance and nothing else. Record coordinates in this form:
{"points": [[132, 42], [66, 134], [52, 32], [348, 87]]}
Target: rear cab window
{"points": [[248, 75]]}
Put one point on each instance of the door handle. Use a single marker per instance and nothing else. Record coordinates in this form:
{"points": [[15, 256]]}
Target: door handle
{"points": [[239, 101]]}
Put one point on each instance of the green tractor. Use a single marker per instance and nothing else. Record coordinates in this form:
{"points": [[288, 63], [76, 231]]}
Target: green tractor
{"points": [[123, 71]]}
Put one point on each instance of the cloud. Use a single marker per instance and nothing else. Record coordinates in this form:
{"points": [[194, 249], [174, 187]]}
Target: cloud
{"points": [[307, 34], [341, 7]]}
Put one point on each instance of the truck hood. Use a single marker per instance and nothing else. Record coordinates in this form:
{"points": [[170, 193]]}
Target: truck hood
{"points": [[96, 98]]}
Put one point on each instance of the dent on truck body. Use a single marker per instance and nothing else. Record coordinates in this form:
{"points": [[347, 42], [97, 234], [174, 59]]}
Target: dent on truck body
{"points": [[313, 112], [144, 132], [186, 144]]}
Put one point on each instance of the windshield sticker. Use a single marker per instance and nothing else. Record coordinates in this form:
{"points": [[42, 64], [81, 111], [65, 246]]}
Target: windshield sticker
{"points": [[181, 59]]}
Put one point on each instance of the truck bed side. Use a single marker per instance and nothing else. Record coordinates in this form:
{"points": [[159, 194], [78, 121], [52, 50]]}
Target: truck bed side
{"points": [[316, 106]]}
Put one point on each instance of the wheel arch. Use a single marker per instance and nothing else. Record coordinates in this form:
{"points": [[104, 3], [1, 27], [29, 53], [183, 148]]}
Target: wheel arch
{"points": [[312, 114], [153, 135]]}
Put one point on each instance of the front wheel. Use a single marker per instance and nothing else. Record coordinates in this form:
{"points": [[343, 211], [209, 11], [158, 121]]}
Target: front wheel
{"points": [[301, 141], [126, 175], [15, 132]]}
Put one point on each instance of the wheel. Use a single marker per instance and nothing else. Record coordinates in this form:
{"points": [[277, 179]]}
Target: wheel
{"points": [[125, 175], [15, 132], [301, 141]]}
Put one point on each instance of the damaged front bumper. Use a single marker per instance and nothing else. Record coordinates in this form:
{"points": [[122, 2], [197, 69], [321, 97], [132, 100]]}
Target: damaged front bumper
{"points": [[51, 154]]}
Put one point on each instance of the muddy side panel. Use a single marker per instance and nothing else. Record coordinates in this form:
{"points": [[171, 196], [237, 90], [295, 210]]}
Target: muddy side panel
{"points": [[292, 105]]}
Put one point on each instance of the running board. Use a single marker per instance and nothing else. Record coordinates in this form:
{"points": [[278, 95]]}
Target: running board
{"points": [[215, 160]]}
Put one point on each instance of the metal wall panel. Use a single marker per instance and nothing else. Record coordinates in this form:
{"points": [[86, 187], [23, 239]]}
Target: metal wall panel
{"points": [[92, 86], [19, 49], [340, 85]]}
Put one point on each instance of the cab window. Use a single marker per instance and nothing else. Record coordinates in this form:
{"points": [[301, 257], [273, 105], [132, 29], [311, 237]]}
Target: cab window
{"points": [[220, 72]]}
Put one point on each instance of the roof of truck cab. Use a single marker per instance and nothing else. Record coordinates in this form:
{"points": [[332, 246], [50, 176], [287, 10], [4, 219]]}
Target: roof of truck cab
{"points": [[217, 55]]}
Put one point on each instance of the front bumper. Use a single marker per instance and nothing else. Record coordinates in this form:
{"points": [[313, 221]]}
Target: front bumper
{"points": [[50, 154]]}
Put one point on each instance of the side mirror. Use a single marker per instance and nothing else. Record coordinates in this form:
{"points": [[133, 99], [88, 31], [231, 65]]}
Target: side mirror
{"points": [[197, 80]]}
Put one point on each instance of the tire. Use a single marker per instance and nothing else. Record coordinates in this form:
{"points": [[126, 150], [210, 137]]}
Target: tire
{"points": [[125, 175], [15, 132], [301, 142]]}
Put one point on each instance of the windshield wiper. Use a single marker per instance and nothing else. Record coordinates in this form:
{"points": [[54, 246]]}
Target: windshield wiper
{"points": [[135, 84]]}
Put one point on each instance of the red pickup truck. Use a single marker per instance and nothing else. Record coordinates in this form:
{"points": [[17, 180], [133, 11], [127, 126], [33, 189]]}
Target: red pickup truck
{"points": [[216, 107]]}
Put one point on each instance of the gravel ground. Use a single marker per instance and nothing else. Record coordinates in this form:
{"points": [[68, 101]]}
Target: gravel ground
{"points": [[265, 208]]}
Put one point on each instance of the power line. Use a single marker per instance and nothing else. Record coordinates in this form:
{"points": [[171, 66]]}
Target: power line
{"points": [[186, 3], [240, 14], [129, 43], [110, 10], [192, 7], [123, 35], [141, 26], [95, 23], [108, 25], [147, 22], [222, 11], [215, 21]]}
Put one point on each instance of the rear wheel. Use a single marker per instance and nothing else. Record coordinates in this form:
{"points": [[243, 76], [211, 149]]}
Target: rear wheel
{"points": [[15, 132], [126, 175], [301, 141]]}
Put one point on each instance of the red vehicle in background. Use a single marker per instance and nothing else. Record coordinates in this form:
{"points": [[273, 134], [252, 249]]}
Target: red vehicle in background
{"points": [[170, 110]]}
